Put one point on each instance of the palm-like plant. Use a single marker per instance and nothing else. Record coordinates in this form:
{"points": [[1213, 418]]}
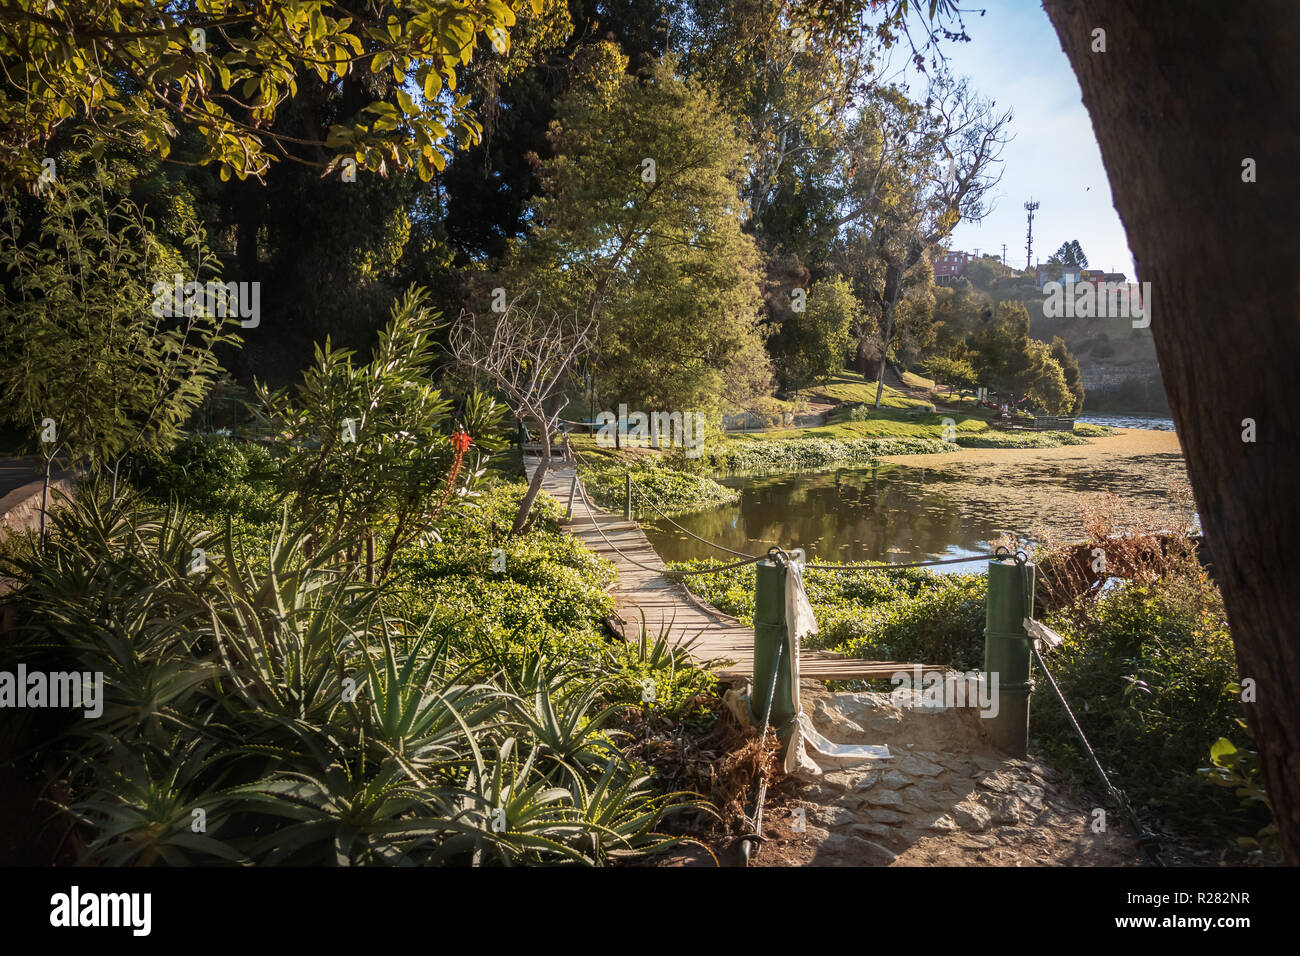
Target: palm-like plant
{"points": [[275, 696]]}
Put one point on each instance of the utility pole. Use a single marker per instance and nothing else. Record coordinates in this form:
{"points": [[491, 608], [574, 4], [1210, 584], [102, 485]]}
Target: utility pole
{"points": [[1004, 255], [1029, 244]]}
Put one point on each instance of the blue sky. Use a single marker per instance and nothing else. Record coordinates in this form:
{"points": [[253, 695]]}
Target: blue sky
{"points": [[1015, 59]]}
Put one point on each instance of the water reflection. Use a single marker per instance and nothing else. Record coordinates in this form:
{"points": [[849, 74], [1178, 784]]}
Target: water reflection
{"points": [[877, 513], [899, 513]]}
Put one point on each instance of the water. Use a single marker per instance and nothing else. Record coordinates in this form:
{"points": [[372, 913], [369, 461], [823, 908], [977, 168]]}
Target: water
{"points": [[885, 513], [1150, 422], [893, 513]]}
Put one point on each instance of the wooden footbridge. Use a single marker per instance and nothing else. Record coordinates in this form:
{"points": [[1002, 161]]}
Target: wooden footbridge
{"points": [[641, 588]]}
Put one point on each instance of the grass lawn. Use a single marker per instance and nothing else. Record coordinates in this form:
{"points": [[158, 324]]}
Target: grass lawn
{"points": [[853, 387]]}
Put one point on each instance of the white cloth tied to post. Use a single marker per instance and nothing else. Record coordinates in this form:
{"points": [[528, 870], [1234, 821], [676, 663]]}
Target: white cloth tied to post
{"points": [[800, 622]]}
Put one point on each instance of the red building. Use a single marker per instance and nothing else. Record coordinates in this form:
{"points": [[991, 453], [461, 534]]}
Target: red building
{"points": [[949, 264]]}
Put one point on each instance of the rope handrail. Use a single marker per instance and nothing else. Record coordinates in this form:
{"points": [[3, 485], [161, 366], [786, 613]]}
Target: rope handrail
{"points": [[661, 570], [895, 567], [711, 544]]}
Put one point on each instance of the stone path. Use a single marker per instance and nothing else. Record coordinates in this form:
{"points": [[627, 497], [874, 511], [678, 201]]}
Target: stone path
{"points": [[945, 797]]}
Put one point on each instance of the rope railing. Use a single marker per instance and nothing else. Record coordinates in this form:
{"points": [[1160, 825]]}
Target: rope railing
{"points": [[712, 544]]}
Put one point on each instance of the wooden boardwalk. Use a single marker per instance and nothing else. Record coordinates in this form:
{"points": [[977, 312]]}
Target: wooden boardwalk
{"points": [[713, 637]]}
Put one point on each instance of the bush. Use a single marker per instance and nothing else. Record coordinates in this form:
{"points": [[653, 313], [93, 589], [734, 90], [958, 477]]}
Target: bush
{"points": [[673, 491], [768, 412], [1146, 670], [210, 472], [1089, 430], [910, 615], [791, 454], [314, 725], [993, 439]]}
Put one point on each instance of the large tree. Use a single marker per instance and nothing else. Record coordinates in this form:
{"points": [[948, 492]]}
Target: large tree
{"points": [[922, 168], [1193, 106], [140, 71], [640, 230], [1012, 363]]}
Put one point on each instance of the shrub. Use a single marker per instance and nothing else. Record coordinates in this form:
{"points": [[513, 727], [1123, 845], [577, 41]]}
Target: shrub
{"points": [[210, 472], [768, 412], [753, 454], [909, 615], [310, 723], [1145, 670], [1089, 430], [673, 491], [992, 439]]}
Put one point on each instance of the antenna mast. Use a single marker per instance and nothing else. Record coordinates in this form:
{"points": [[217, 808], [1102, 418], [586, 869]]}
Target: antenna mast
{"points": [[1029, 244]]}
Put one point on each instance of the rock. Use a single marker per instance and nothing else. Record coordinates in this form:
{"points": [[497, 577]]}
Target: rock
{"points": [[1030, 795], [971, 816], [999, 782], [893, 779], [1044, 772], [886, 816], [919, 766], [1010, 836], [840, 780], [885, 798], [977, 842], [956, 764], [857, 707], [1004, 809], [834, 724], [852, 781], [850, 801], [872, 853], [919, 800], [817, 793], [951, 796], [884, 724], [871, 829], [833, 816], [986, 763], [941, 822], [864, 852]]}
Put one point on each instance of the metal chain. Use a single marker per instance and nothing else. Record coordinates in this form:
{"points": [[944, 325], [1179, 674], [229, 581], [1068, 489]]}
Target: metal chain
{"points": [[1146, 840]]}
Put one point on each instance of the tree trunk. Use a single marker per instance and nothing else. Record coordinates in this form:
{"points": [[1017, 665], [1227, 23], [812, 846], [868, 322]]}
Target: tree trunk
{"points": [[45, 500], [1186, 91], [534, 486], [862, 362], [892, 292]]}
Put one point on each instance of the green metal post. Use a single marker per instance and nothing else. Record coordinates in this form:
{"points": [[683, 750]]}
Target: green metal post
{"points": [[770, 634], [627, 496], [523, 436], [1007, 653]]}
